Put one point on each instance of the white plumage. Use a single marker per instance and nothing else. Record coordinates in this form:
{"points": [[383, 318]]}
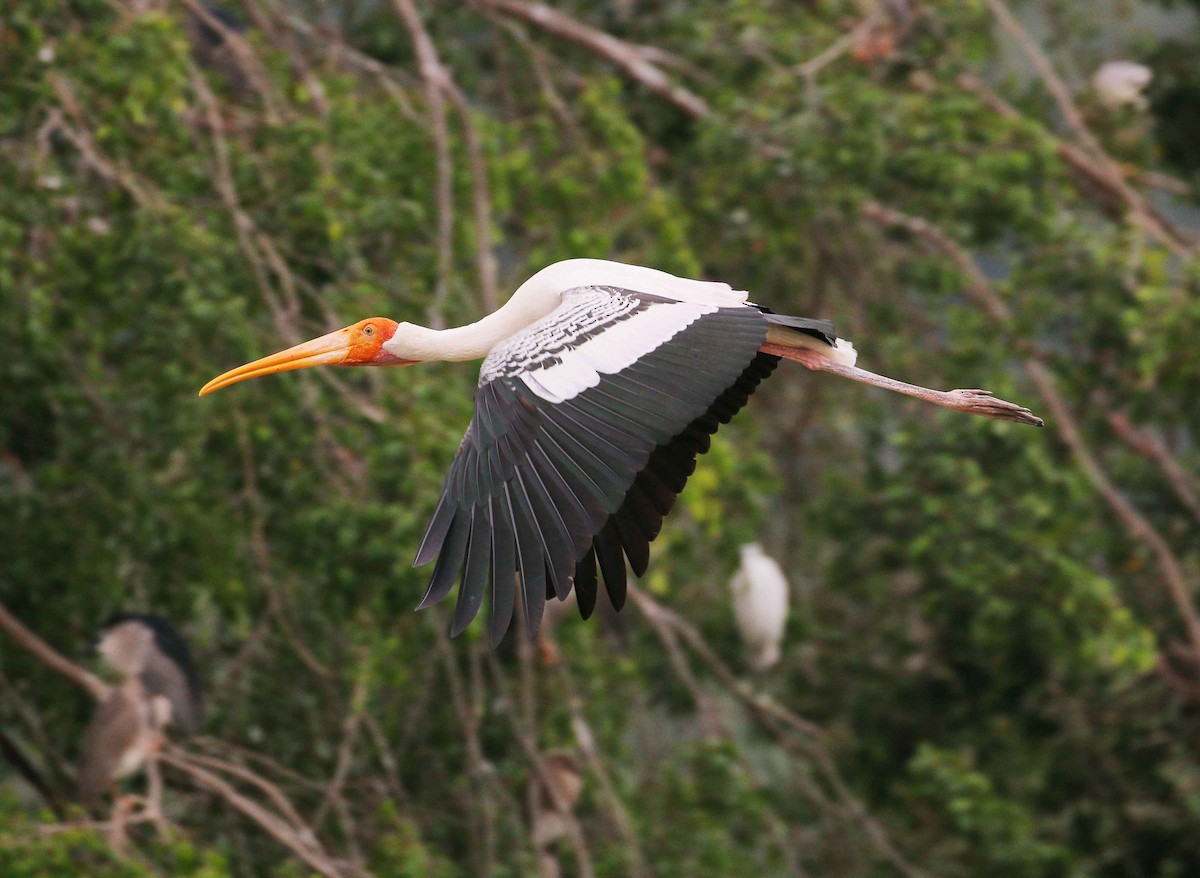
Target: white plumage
{"points": [[760, 605], [1120, 84]]}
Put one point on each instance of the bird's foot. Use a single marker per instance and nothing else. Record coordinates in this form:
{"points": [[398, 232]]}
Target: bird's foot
{"points": [[986, 404]]}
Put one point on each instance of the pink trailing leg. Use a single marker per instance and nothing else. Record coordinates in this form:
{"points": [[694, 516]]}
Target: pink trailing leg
{"points": [[973, 402]]}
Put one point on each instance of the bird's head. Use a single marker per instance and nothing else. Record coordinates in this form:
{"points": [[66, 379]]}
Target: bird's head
{"points": [[124, 644], [360, 344]]}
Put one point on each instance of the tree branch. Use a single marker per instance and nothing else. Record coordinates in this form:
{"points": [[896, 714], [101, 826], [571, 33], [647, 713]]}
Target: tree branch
{"points": [[984, 295], [1184, 484], [300, 842], [50, 657], [436, 80], [631, 59]]}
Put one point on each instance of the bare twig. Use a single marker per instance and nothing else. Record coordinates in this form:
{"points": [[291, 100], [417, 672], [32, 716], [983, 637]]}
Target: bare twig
{"points": [[387, 78], [300, 842], [586, 742], [477, 767], [538, 61], [810, 735], [50, 657], [711, 723], [269, 789], [633, 60], [485, 260], [839, 47], [260, 252], [387, 758], [261, 552], [243, 53], [1185, 485], [1045, 70], [1137, 526], [350, 733], [526, 737], [143, 193], [312, 84], [436, 83], [1100, 171]]}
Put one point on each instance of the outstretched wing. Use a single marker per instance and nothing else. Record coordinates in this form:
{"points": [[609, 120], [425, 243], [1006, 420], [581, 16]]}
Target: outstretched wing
{"points": [[587, 425]]}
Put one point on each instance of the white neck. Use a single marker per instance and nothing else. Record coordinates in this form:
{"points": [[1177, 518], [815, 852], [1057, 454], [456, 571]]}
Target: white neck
{"points": [[470, 342]]}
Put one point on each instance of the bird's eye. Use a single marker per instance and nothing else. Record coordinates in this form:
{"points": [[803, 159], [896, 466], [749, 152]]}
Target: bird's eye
{"points": [[368, 330]]}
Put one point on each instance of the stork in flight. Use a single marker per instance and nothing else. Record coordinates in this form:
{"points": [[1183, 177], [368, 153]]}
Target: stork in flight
{"points": [[601, 383]]}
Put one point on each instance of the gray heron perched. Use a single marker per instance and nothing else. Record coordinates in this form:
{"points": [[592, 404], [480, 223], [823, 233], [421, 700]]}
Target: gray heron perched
{"points": [[601, 383]]}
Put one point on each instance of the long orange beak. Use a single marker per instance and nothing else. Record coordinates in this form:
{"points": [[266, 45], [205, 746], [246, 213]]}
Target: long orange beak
{"points": [[328, 350]]}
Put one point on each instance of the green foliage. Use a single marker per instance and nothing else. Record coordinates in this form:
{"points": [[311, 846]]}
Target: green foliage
{"points": [[988, 648], [27, 852]]}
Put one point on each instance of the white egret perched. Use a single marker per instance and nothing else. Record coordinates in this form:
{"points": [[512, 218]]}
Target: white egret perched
{"points": [[760, 605], [601, 383], [1120, 84]]}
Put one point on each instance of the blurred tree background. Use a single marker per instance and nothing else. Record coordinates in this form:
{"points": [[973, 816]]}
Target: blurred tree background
{"points": [[992, 664]]}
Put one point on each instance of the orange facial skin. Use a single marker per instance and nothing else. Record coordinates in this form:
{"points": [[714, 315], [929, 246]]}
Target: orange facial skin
{"points": [[360, 344]]}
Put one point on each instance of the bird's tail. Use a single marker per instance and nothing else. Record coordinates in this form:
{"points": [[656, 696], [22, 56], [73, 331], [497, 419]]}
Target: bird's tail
{"points": [[812, 333]]}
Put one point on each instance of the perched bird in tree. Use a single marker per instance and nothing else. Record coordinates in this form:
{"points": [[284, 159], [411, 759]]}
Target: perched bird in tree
{"points": [[126, 729], [158, 686], [148, 647], [601, 383], [760, 605]]}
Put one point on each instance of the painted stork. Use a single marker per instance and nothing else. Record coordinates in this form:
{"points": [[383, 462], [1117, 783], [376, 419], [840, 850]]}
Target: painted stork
{"points": [[601, 383]]}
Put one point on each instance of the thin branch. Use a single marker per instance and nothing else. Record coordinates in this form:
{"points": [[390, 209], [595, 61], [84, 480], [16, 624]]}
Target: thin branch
{"points": [[541, 71], [1050, 79], [269, 789], [762, 705], [711, 723], [312, 84], [352, 58], [631, 59], [1136, 525], [244, 55], [436, 82], [477, 768], [839, 47], [985, 296], [261, 551], [485, 259], [350, 734], [15, 756], [1185, 485], [585, 740], [303, 844], [387, 758], [80, 137], [50, 657], [259, 250], [1101, 172], [527, 738]]}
